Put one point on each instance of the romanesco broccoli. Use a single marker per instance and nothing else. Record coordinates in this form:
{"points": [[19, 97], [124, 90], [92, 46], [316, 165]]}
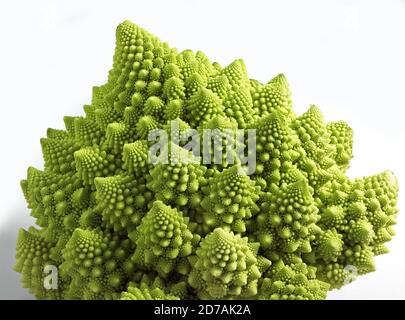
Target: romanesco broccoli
{"points": [[118, 226]]}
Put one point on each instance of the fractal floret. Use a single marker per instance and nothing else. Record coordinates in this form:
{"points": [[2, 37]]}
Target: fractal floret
{"points": [[136, 201]]}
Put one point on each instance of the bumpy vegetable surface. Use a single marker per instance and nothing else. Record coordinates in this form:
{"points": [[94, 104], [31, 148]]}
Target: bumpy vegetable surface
{"points": [[117, 226]]}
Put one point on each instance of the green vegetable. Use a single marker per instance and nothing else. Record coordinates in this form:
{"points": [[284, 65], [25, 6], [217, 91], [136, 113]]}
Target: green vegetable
{"points": [[225, 266], [145, 293], [116, 225]]}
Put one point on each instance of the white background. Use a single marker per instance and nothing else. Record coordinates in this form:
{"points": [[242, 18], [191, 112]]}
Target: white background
{"points": [[347, 57]]}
